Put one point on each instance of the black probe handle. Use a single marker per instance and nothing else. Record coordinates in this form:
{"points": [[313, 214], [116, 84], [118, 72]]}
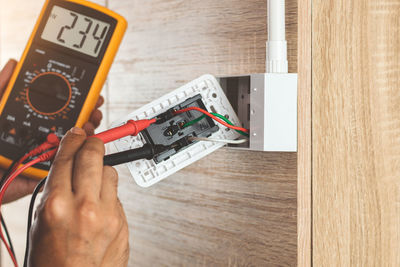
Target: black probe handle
{"points": [[145, 152]]}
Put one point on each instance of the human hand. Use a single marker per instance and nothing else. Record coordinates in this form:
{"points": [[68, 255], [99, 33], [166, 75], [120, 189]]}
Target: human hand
{"points": [[80, 221], [23, 186]]}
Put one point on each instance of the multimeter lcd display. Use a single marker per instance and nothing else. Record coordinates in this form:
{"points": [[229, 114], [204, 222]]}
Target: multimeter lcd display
{"points": [[75, 31]]}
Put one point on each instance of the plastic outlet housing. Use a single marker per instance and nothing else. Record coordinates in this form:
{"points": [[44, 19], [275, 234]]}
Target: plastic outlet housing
{"points": [[169, 130], [149, 172], [266, 104]]}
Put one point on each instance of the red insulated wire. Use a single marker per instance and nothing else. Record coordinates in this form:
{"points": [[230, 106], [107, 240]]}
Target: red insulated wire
{"points": [[20, 162], [211, 116], [3, 190], [16, 173], [14, 260], [52, 140], [45, 157]]}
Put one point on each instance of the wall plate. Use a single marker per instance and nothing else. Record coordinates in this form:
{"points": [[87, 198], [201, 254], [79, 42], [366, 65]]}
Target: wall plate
{"points": [[147, 172]]}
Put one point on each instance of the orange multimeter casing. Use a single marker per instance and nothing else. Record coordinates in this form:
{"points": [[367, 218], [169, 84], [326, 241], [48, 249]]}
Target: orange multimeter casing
{"points": [[58, 80]]}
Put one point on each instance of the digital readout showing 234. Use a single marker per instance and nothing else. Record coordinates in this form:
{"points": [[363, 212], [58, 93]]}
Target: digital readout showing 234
{"points": [[75, 31]]}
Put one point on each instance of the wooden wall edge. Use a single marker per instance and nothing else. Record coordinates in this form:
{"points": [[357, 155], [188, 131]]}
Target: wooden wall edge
{"points": [[304, 171]]}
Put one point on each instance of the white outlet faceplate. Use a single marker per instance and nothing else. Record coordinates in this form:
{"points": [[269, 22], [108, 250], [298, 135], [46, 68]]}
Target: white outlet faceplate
{"points": [[147, 172]]}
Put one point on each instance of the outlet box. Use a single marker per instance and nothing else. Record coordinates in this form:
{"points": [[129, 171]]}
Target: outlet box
{"points": [[267, 105]]}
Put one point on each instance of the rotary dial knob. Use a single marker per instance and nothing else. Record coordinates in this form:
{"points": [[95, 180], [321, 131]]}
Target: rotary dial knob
{"points": [[49, 93]]}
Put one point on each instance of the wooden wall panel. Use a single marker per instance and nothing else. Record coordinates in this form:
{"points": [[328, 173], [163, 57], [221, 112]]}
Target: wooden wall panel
{"points": [[304, 224], [231, 208], [356, 133]]}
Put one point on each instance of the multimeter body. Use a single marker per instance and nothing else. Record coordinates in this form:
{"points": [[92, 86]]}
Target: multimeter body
{"points": [[58, 80]]}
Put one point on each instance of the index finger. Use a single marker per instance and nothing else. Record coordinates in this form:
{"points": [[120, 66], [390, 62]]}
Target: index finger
{"points": [[100, 102], [6, 74], [88, 169], [60, 175]]}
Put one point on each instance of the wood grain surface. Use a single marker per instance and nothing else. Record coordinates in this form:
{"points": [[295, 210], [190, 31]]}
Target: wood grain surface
{"points": [[304, 190], [356, 133], [231, 208]]}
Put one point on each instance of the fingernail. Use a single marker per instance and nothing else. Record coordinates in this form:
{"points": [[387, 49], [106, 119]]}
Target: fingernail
{"points": [[77, 130]]}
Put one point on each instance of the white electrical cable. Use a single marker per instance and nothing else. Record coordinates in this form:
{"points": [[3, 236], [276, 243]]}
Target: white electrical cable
{"points": [[276, 61], [240, 141]]}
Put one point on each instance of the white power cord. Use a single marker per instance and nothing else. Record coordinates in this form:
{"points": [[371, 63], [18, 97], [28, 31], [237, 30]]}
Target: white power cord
{"points": [[276, 61], [236, 142]]}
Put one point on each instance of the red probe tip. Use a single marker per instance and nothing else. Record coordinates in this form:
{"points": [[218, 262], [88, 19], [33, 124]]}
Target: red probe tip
{"points": [[130, 128]]}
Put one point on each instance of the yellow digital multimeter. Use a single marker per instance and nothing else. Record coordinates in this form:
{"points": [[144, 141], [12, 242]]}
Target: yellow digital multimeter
{"points": [[59, 78]]}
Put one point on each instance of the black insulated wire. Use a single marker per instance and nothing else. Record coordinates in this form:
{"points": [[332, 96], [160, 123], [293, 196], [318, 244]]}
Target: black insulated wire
{"points": [[146, 152], [3, 223], [30, 217]]}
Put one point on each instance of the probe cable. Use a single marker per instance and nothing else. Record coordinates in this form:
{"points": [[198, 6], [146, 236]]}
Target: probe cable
{"points": [[130, 128], [13, 258], [52, 141], [9, 245], [3, 223], [30, 215], [4, 188], [15, 162], [15, 173], [147, 151], [211, 116]]}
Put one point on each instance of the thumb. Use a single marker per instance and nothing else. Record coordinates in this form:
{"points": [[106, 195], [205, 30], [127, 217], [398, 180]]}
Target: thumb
{"points": [[6, 74]]}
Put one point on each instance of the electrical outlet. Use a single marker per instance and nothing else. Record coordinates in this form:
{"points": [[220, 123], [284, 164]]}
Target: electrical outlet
{"points": [[203, 92], [266, 104]]}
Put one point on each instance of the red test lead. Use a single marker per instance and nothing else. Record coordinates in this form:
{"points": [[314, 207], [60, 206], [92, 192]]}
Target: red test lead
{"points": [[51, 141], [130, 128]]}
